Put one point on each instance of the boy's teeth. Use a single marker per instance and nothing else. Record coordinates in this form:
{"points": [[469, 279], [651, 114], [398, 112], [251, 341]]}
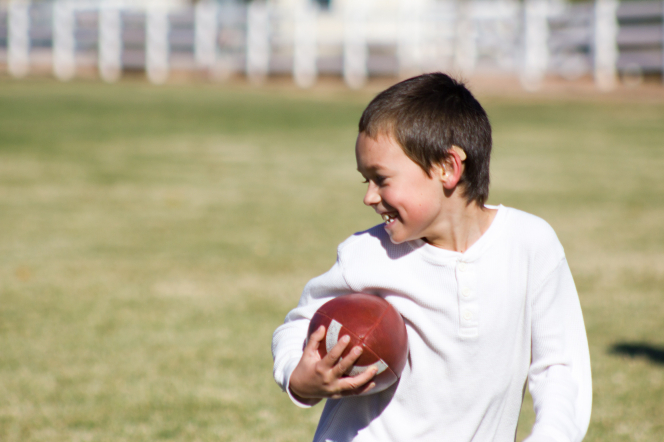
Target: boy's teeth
{"points": [[387, 217]]}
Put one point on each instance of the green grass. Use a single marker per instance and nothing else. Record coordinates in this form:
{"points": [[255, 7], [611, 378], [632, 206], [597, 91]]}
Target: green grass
{"points": [[152, 238]]}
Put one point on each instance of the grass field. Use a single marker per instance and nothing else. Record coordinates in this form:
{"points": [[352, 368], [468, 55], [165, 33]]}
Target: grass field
{"points": [[151, 239]]}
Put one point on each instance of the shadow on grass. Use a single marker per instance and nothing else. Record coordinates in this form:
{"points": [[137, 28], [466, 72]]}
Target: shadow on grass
{"points": [[639, 349]]}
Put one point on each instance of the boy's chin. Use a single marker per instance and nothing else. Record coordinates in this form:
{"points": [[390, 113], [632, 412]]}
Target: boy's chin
{"points": [[395, 238]]}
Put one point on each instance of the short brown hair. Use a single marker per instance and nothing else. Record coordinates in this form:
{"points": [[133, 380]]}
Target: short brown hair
{"points": [[429, 114]]}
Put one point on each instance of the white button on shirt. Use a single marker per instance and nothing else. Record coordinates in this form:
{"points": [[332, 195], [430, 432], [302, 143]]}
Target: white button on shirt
{"points": [[465, 291], [462, 266]]}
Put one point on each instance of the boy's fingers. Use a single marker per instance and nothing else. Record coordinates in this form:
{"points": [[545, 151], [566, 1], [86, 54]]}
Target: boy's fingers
{"points": [[347, 362], [361, 390], [334, 354], [359, 384], [318, 335], [362, 378], [315, 338]]}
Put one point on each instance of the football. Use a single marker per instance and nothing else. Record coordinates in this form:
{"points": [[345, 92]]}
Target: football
{"points": [[372, 323]]}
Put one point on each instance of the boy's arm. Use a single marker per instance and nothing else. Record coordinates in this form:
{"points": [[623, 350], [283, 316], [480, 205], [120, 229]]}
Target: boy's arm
{"points": [[289, 339], [287, 349], [559, 377]]}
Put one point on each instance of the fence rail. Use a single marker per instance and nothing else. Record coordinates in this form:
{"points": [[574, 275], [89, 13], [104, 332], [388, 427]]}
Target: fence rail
{"points": [[529, 39]]}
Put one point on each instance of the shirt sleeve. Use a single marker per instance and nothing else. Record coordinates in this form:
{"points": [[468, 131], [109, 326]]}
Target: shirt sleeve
{"points": [[289, 339], [559, 377]]}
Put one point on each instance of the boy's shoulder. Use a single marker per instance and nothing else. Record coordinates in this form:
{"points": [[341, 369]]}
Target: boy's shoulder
{"points": [[374, 244], [370, 259], [375, 234], [529, 227], [532, 235], [373, 239]]}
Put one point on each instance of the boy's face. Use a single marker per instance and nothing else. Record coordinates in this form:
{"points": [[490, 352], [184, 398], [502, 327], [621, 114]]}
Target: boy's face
{"points": [[409, 201]]}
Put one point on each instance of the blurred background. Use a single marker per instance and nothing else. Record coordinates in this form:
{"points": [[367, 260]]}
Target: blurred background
{"points": [[354, 40], [172, 174]]}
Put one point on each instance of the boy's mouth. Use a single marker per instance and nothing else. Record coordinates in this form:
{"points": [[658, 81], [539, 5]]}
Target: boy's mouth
{"points": [[389, 218]]}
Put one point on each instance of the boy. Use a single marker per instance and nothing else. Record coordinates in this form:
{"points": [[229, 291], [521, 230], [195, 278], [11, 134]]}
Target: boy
{"points": [[485, 291]]}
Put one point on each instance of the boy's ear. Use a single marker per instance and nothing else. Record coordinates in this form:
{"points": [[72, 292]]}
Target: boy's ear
{"points": [[450, 170], [460, 151]]}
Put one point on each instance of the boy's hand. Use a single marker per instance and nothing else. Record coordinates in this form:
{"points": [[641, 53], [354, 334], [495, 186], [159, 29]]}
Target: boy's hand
{"points": [[315, 378]]}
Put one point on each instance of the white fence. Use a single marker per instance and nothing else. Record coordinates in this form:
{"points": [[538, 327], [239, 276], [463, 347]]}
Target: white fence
{"points": [[529, 39]]}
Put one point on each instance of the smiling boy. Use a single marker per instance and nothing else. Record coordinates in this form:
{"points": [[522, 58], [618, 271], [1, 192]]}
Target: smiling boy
{"points": [[486, 293]]}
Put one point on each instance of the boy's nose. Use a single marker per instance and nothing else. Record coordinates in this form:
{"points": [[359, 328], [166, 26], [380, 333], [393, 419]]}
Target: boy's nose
{"points": [[371, 198]]}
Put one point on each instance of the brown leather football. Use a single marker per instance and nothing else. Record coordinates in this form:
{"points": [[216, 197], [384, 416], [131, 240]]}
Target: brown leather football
{"points": [[372, 323]]}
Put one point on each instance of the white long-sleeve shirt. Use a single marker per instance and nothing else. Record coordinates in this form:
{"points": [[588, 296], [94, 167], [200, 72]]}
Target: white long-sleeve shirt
{"points": [[480, 323]]}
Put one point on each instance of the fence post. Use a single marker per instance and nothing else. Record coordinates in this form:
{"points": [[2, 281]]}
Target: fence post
{"points": [[465, 48], [409, 44], [64, 43], [355, 44], [205, 44], [156, 43], [305, 46], [536, 48], [110, 43], [258, 41], [605, 44], [18, 50]]}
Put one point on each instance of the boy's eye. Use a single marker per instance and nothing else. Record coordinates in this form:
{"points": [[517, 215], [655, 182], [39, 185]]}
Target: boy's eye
{"points": [[378, 180]]}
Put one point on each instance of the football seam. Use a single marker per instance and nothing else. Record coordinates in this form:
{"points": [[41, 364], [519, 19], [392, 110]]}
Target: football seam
{"points": [[380, 318], [349, 332], [361, 341]]}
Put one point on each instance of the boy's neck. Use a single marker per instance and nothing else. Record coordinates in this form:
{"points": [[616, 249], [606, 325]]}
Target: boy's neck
{"points": [[462, 226]]}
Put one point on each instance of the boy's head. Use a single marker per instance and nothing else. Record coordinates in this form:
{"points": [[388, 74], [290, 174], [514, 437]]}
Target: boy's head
{"points": [[426, 116]]}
